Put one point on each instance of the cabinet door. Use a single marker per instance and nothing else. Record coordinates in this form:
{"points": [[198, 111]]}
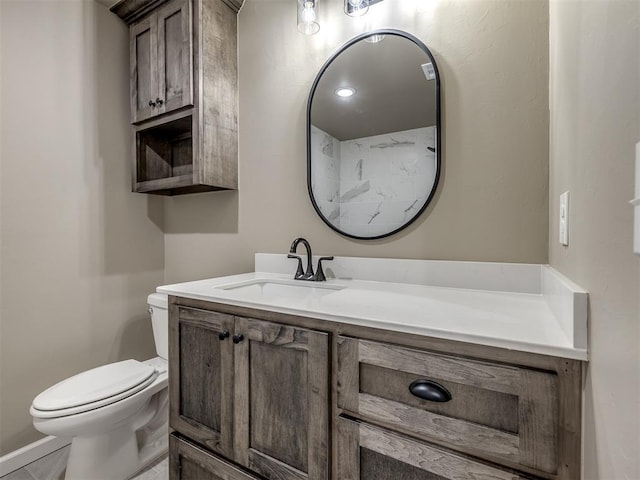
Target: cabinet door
{"points": [[188, 462], [281, 400], [366, 452], [143, 44], [174, 56], [201, 376]]}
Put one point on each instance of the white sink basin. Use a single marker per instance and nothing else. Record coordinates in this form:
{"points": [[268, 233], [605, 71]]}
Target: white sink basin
{"points": [[274, 290]]}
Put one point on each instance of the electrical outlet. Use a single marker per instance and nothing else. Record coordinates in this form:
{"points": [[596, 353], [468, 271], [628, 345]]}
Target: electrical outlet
{"points": [[564, 219]]}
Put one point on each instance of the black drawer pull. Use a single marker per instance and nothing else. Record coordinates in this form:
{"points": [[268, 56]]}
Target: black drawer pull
{"points": [[238, 338], [429, 390], [223, 335]]}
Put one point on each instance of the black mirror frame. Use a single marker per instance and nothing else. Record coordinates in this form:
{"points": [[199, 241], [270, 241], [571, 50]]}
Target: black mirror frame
{"points": [[326, 65]]}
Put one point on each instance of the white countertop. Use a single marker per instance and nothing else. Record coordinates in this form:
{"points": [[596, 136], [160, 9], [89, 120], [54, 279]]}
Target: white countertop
{"points": [[529, 322]]}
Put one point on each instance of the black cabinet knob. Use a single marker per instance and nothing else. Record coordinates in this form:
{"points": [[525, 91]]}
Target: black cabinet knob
{"points": [[159, 101], [237, 338], [223, 335], [152, 103], [429, 390]]}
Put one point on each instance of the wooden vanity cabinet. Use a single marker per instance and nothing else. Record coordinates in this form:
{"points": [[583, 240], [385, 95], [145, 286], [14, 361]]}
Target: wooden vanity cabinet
{"points": [[259, 407], [251, 391], [183, 88]]}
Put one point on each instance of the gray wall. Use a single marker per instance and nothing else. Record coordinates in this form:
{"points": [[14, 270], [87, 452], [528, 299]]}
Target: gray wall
{"points": [[595, 123], [79, 252], [493, 200]]}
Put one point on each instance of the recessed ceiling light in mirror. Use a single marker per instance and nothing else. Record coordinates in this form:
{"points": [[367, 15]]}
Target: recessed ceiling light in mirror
{"points": [[345, 92]]}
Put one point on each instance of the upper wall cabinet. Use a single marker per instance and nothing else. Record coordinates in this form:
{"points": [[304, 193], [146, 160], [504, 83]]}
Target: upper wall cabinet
{"points": [[184, 100], [161, 52]]}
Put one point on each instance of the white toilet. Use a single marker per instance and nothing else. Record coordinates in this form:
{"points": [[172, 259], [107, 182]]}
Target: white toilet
{"points": [[117, 414]]}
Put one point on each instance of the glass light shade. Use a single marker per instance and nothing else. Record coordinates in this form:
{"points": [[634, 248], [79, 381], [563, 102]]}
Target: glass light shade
{"points": [[355, 8], [307, 18]]}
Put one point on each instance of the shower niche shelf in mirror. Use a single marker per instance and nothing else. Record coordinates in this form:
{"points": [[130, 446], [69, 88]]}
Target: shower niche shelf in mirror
{"points": [[373, 135]]}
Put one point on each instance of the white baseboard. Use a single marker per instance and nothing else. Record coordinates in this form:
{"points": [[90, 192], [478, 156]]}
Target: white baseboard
{"points": [[30, 453]]}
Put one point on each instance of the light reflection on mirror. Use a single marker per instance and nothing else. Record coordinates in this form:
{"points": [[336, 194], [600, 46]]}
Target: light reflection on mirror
{"points": [[373, 156]]}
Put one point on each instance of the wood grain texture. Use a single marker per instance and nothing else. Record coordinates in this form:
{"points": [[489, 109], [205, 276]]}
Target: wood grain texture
{"points": [[348, 373], [428, 458], [132, 10], [382, 467], [200, 374], [318, 397], [279, 410], [454, 369], [485, 407], [276, 334], [241, 396], [281, 400], [189, 462], [201, 377], [272, 468], [570, 419], [175, 52], [427, 425], [143, 58], [539, 420], [347, 437], [218, 94]]}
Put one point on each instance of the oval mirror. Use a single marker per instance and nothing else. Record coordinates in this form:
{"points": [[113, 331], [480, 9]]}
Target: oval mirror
{"points": [[373, 135]]}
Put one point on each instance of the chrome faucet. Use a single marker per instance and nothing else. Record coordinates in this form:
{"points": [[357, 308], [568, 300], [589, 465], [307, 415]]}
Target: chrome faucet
{"points": [[308, 273]]}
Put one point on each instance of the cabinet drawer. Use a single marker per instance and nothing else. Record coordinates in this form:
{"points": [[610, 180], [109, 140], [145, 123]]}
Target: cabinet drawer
{"points": [[189, 462], [366, 452], [503, 413]]}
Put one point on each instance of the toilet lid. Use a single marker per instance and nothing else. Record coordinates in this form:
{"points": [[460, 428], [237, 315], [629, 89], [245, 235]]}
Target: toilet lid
{"points": [[95, 385]]}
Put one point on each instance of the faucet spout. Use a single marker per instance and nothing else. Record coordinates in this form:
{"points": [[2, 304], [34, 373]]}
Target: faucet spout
{"points": [[308, 274]]}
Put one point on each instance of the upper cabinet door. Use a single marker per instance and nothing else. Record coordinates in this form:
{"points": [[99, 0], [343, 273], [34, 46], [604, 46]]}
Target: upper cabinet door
{"points": [[175, 88], [144, 63], [161, 61], [281, 400]]}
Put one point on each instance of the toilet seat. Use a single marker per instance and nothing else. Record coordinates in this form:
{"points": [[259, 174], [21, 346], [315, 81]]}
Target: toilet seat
{"points": [[93, 389]]}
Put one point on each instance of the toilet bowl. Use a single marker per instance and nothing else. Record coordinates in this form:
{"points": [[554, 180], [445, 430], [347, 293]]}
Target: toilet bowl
{"points": [[116, 414]]}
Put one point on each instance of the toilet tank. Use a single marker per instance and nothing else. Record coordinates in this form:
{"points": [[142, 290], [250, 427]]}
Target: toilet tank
{"points": [[159, 310]]}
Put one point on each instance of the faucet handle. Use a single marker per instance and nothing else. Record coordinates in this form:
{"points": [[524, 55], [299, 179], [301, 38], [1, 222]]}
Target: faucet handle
{"points": [[319, 277], [299, 271]]}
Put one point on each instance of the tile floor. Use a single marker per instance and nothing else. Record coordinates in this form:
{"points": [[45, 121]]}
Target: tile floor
{"points": [[52, 467]]}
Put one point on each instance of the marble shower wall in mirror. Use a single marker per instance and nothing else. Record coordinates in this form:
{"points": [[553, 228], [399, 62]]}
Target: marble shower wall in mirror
{"points": [[373, 162], [374, 185]]}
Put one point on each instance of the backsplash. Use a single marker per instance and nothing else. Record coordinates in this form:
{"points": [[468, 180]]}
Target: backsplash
{"points": [[360, 191]]}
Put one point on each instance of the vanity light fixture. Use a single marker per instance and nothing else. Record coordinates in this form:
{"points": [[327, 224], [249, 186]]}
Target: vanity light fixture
{"points": [[355, 8], [307, 17], [345, 92]]}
